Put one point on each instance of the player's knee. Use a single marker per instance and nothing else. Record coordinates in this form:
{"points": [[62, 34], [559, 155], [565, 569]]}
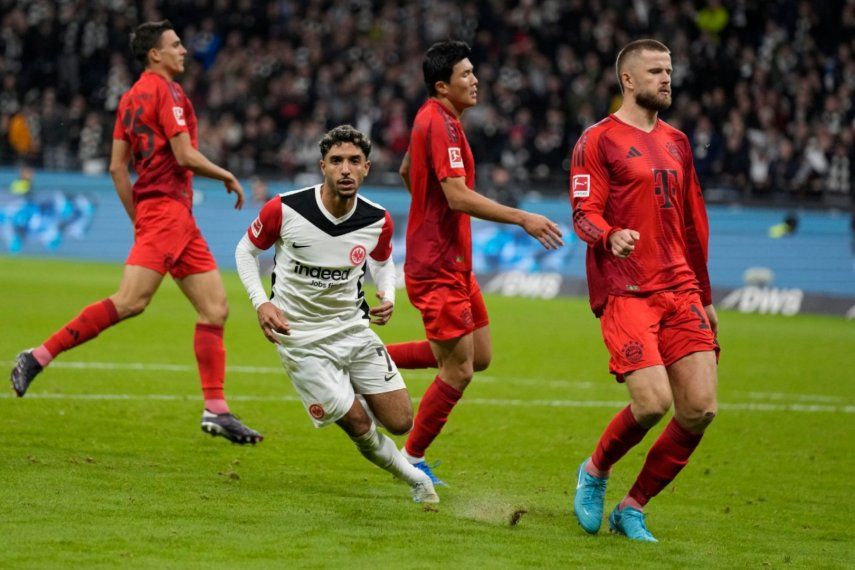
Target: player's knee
{"points": [[217, 313], [126, 309], [400, 425], [648, 418], [482, 362], [457, 373], [355, 425], [459, 377], [697, 418], [651, 410]]}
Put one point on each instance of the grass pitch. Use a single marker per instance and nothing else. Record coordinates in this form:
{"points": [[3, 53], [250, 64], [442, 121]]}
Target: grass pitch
{"points": [[103, 463]]}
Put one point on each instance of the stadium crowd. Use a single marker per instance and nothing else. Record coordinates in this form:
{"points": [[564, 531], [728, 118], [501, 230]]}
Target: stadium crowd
{"points": [[764, 89]]}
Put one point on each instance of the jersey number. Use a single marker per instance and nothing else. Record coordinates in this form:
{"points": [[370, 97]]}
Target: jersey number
{"points": [[142, 131], [381, 351], [702, 325], [664, 183]]}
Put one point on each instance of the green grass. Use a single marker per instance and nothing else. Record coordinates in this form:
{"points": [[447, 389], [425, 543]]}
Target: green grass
{"points": [[133, 481]]}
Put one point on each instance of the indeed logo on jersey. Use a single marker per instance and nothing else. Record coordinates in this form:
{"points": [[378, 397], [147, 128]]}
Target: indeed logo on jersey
{"points": [[321, 272], [581, 185]]}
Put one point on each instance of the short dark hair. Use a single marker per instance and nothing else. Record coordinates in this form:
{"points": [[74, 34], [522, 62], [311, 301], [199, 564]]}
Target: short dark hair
{"points": [[345, 134], [634, 47], [440, 60], [147, 36]]}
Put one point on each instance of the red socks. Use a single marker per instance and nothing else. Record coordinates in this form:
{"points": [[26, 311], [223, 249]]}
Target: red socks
{"points": [[85, 326], [409, 355], [436, 405], [211, 358], [621, 435], [665, 460]]}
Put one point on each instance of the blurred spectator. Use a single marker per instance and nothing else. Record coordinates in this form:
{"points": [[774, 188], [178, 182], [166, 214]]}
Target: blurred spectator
{"points": [[712, 18], [259, 191], [23, 184], [784, 168], [92, 155], [24, 133], [55, 143], [501, 189], [764, 89]]}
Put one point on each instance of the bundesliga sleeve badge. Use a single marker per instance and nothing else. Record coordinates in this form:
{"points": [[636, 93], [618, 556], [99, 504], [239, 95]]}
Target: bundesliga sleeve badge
{"points": [[455, 157], [179, 115], [581, 185]]}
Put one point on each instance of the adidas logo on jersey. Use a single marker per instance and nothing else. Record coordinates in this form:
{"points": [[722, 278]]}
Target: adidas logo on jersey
{"points": [[633, 152], [321, 272]]}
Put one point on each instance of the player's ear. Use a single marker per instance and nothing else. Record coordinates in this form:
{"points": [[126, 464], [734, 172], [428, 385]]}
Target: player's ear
{"points": [[367, 166], [321, 164], [441, 88], [626, 80], [154, 55]]}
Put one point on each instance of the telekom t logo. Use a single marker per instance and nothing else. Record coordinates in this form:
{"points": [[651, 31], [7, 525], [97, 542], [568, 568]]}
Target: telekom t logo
{"points": [[664, 185]]}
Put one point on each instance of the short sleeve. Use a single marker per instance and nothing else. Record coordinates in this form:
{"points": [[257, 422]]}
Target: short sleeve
{"points": [[446, 148], [119, 131], [384, 244], [266, 228], [170, 112]]}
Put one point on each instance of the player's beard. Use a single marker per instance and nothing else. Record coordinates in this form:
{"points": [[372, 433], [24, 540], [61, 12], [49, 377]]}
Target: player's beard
{"points": [[652, 102]]}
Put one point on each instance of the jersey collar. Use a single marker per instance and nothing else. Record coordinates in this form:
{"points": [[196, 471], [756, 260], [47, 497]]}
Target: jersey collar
{"points": [[442, 108], [656, 126], [327, 213]]}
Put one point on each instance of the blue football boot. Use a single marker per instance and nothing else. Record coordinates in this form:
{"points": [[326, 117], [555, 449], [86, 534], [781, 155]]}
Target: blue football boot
{"points": [[589, 499], [426, 469], [629, 522]]}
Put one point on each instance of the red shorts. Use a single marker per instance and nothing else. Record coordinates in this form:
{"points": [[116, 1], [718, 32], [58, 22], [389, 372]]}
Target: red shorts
{"points": [[451, 304], [166, 239], [658, 329]]}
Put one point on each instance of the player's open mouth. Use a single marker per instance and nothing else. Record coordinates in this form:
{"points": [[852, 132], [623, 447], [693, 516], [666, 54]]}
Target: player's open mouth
{"points": [[346, 183]]}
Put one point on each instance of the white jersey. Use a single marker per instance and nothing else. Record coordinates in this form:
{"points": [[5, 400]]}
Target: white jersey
{"points": [[320, 262]]}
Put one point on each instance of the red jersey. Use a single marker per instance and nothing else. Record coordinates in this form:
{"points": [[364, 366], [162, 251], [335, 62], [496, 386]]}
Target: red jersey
{"points": [[438, 238], [150, 113], [622, 177]]}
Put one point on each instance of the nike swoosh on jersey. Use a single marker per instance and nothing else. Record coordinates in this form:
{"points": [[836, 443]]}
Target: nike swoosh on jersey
{"points": [[295, 246]]}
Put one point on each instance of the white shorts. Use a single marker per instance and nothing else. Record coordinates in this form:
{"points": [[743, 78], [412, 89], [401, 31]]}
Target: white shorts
{"points": [[329, 372]]}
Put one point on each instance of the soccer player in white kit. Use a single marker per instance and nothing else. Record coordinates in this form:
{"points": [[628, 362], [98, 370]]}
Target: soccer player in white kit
{"points": [[326, 236]]}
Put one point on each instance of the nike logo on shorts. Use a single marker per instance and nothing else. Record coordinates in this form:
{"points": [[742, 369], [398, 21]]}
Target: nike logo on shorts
{"points": [[388, 377], [295, 246]]}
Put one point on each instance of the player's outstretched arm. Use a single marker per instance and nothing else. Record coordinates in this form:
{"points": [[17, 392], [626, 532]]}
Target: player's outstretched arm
{"points": [[462, 199], [119, 159], [189, 157]]}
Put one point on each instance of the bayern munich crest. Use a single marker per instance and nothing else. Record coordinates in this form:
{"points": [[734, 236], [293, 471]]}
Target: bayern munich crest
{"points": [[633, 351], [357, 255]]}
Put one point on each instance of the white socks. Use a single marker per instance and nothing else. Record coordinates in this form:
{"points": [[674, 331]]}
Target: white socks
{"points": [[381, 451]]}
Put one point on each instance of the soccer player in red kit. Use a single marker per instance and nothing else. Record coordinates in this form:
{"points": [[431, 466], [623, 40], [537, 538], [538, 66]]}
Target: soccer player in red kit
{"points": [[638, 204], [156, 124], [439, 171]]}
